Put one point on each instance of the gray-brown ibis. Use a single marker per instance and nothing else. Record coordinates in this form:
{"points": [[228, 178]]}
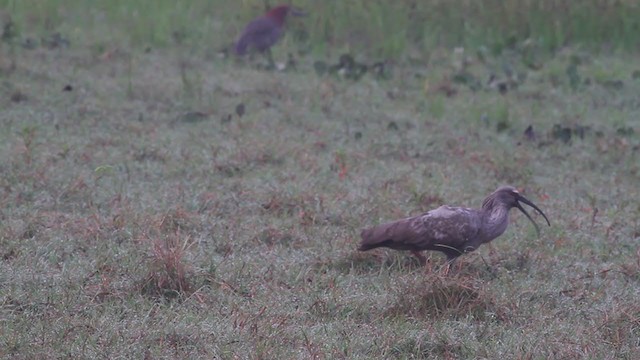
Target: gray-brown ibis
{"points": [[263, 32], [451, 230]]}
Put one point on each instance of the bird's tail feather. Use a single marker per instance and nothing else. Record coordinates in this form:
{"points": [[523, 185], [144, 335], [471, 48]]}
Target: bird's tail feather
{"points": [[241, 46]]}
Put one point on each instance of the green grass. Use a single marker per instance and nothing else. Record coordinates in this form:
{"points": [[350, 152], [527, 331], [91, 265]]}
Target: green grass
{"points": [[378, 28], [140, 216]]}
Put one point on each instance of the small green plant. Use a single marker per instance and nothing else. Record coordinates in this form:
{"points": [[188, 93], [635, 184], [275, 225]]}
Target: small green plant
{"points": [[28, 136], [501, 116], [436, 106], [191, 82]]}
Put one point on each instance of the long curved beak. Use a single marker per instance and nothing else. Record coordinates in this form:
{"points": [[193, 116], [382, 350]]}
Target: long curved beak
{"points": [[526, 201]]}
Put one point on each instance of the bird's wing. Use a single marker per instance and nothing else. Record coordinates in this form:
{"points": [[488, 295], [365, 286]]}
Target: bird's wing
{"points": [[259, 34], [445, 226], [259, 26]]}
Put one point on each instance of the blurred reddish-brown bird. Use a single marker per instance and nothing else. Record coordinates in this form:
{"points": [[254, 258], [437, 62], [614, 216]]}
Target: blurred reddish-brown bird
{"points": [[263, 32]]}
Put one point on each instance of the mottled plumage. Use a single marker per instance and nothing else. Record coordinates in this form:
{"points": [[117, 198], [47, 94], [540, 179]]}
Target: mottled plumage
{"points": [[451, 230]]}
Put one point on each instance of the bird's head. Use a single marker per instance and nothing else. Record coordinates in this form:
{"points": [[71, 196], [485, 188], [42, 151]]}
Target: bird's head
{"points": [[280, 12], [510, 197]]}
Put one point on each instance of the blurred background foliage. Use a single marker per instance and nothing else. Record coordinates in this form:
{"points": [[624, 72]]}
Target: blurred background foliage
{"points": [[380, 28]]}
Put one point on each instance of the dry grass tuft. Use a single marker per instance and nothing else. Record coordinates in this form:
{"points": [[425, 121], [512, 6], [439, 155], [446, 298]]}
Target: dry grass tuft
{"points": [[427, 349], [169, 274], [178, 219], [621, 327], [272, 236], [443, 297]]}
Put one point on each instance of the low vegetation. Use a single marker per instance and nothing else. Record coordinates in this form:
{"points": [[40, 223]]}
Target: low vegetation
{"points": [[161, 200]]}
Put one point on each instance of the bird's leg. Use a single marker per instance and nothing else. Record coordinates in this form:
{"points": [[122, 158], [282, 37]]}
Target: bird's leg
{"points": [[447, 268], [421, 258], [449, 264], [269, 56]]}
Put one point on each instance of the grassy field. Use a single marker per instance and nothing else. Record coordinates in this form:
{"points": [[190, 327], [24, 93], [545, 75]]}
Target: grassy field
{"points": [[159, 200]]}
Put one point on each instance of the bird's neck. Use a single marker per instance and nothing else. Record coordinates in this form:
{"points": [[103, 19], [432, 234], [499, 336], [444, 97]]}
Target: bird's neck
{"points": [[278, 14], [495, 221]]}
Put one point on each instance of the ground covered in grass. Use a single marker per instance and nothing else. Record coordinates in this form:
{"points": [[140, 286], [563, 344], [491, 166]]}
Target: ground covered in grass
{"points": [[165, 203]]}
